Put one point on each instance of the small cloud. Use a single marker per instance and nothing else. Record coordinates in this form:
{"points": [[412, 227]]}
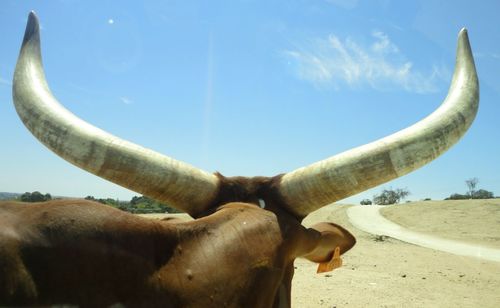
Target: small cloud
{"points": [[111, 21], [126, 100], [380, 65], [383, 44]]}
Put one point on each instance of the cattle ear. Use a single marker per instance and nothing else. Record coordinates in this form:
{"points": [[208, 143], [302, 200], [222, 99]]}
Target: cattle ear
{"points": [[332, 237]]}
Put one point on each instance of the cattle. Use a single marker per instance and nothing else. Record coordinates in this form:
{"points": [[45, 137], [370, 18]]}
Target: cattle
{"points": [[92, 255], [239, 250]]}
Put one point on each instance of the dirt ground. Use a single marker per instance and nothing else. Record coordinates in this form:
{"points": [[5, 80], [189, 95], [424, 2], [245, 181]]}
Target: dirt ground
{"points": [[385, 272], [471, 221]]}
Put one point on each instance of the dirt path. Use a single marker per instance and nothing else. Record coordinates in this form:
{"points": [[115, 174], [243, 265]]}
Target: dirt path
{"points": [[369, 219]]}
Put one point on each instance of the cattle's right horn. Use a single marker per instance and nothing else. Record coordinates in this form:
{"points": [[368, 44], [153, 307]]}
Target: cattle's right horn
{"points": [[131, 166], [307, 189]]}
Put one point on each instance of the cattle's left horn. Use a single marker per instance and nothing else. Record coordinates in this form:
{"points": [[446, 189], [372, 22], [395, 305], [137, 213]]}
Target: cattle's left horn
{"points": [[307, 189], [131, 166]]}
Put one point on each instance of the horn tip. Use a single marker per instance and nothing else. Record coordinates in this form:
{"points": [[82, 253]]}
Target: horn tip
{"points": [[32, 28], [463, 34], [464, 48]]}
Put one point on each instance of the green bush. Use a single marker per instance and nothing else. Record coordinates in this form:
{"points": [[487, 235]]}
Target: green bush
{"points": [[35, 196], [478, 194], [482, 194]]}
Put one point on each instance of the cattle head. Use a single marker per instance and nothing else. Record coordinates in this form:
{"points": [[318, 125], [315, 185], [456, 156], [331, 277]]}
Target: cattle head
{"points": [[198, 192]]}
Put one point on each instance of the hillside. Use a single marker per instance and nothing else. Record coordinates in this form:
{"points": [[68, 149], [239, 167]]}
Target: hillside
{"points": [[472, 221], [8, 195]]}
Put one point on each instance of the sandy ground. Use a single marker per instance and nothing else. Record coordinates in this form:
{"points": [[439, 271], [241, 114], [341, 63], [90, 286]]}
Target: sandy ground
{"points": [[385, 272], [471, 221]]}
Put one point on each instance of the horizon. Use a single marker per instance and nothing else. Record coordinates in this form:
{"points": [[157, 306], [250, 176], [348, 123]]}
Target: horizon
{"points": [[403, 201], [252, 88]]}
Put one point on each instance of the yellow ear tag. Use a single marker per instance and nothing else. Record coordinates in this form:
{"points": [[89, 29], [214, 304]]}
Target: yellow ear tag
{"points": [[334, 263]]}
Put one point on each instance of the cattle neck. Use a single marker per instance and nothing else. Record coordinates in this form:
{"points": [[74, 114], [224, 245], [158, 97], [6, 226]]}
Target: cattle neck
{"points": [[259, 190]]}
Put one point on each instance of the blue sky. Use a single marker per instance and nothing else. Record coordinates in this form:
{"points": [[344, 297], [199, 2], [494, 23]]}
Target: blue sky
{"points": [[252, 88]]}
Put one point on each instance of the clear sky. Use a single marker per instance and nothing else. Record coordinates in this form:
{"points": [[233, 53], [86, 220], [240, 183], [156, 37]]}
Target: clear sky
{"points": [[252, 87]]}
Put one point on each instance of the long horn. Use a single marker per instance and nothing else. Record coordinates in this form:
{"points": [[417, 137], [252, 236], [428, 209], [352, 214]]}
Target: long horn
{"points": [[309, 188], [88, 147]]}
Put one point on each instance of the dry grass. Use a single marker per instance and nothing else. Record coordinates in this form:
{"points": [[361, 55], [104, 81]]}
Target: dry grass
{"points": [[472, 221]]}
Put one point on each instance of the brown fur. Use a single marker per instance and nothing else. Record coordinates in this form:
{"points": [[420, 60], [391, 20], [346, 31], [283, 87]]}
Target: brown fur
{"points": [[87, 254]]}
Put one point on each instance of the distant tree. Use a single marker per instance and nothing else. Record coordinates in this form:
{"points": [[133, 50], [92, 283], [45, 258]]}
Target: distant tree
{"points": [[141, 199], [482, 194], [143, 204], [35, 196], [26, 197], [391, 196], [457, 197], [107, 201], [472, 193], [137, 205], [471, 186], [366, 202]]}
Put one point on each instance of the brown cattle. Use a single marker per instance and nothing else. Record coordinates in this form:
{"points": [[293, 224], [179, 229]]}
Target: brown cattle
{"points": [[240, 249], [92, 255]]}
